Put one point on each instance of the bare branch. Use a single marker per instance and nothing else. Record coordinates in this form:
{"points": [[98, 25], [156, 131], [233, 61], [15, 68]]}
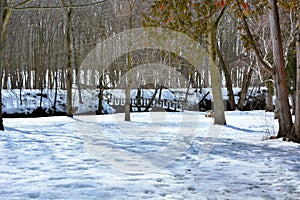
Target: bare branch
{"points": [[253, 44], [23, 3], [220, 16], [19, 7]]}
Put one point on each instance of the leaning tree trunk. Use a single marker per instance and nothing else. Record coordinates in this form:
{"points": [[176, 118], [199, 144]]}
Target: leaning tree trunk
{"points": [[216, 81], [285, 117]]}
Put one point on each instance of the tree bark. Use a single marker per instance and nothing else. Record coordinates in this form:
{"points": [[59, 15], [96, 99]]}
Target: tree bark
{"points": [[129, 68], [285, 117], [77, 68], [69, 63], [1, 61], [56, 89], [247, 75], [100, 95], [269, 100], [297, 92], [4, 15], [228, 80], [216, 81], [128, 89]]}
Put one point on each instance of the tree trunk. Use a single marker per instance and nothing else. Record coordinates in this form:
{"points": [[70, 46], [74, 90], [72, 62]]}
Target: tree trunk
{"points": [[128, 89], [228, 80], [247, 75], [216, 79], [69, 64], [285, 117], [56, 89], [77, 69], [129, 70], [297, 104], [1, 61], [269, 99], [230, 91], [3, 25], [100, 95], [206, 78]]}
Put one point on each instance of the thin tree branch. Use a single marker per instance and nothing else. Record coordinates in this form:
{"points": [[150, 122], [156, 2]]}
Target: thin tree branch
{"points": [[18, 7], [253, 43], [220, 16], [23, 3]]}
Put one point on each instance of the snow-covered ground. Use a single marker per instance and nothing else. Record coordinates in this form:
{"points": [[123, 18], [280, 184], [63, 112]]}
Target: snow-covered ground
{"points": [[156, 156], [26, 101]]}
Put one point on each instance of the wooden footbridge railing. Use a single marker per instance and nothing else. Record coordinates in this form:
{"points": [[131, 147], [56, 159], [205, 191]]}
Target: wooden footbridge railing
{"points": [[146, 104]]}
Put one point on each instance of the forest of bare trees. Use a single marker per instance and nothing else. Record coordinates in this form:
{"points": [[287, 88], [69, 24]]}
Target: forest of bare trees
{"points": [[35, 49], [45, 42]]}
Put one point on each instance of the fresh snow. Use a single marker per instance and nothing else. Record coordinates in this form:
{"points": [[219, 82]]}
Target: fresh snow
{"points": [[56, 158]]}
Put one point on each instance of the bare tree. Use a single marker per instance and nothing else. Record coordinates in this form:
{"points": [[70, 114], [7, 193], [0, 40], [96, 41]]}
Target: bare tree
{"points": [[5, 16]]}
